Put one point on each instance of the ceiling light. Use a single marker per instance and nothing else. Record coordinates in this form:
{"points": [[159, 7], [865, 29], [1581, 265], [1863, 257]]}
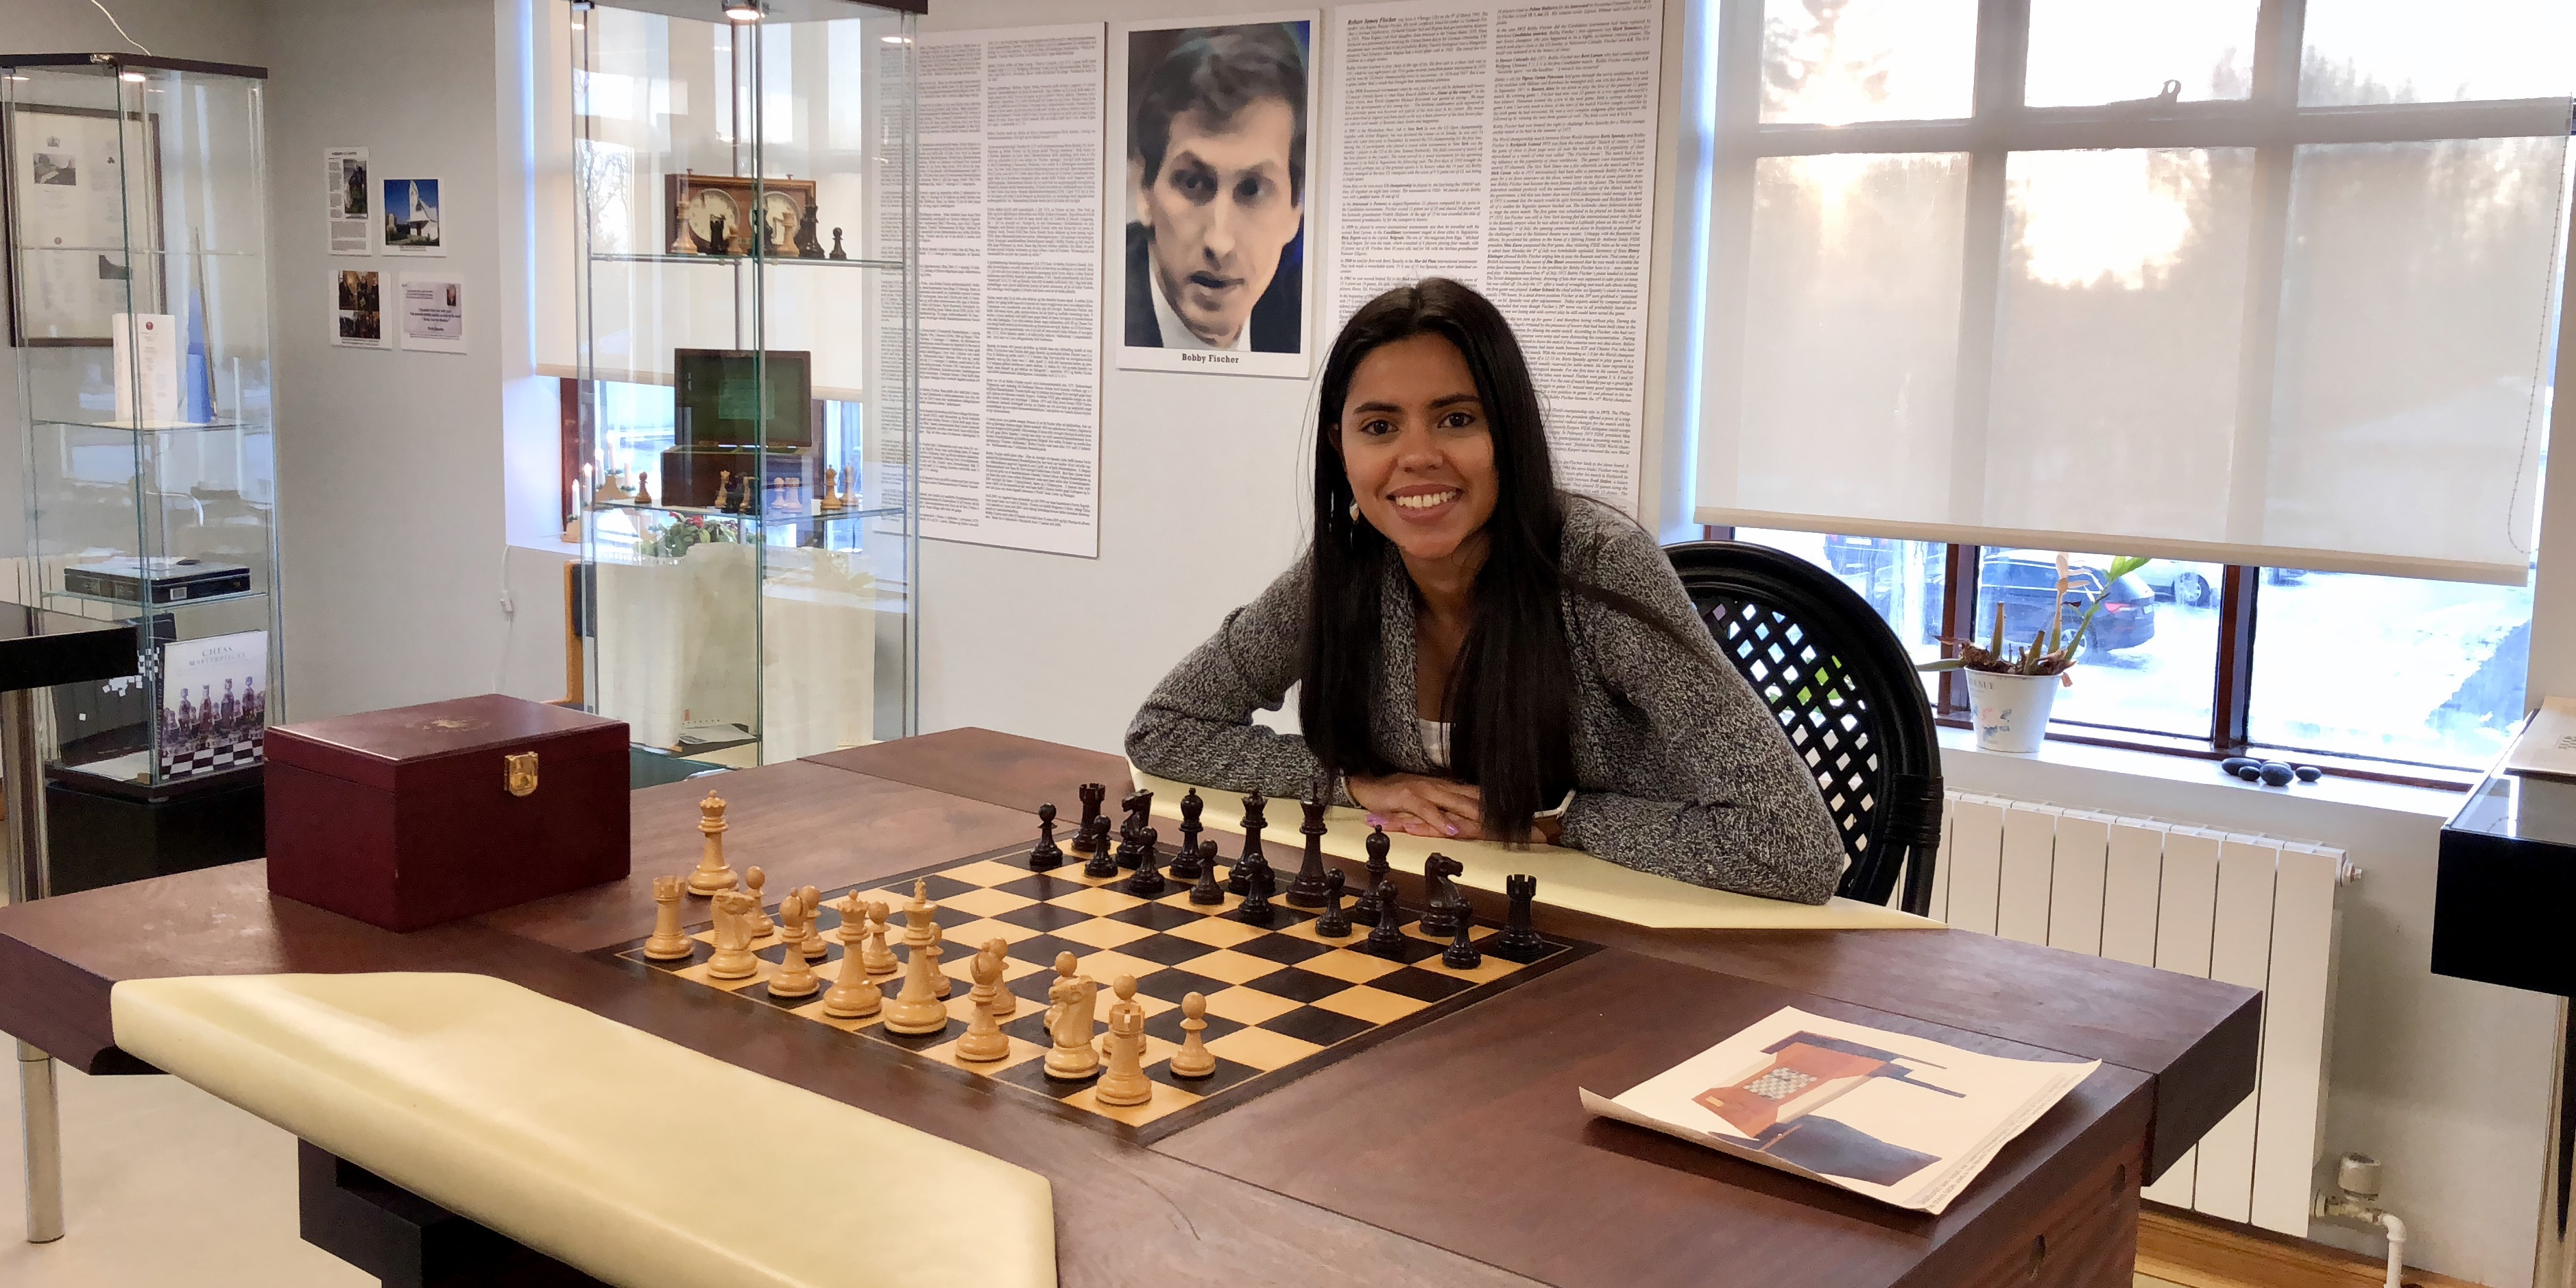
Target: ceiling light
{"points": [[896, 40], [134, 76], [743, 10]]}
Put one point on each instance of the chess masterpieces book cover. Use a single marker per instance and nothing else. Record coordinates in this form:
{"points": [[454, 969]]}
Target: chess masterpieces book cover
{"points": [[1897, 1118]]}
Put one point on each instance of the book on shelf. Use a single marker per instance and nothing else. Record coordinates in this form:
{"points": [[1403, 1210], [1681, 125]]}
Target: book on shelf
{"points": [[1901, 1119], [2546, 747], [171, 580]]}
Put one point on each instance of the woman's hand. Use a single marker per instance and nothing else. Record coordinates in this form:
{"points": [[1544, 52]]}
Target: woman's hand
{"points": [[1420, 805]]}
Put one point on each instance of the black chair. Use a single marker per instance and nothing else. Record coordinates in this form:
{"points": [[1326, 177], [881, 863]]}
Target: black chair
{"points": [[1847, 695]]}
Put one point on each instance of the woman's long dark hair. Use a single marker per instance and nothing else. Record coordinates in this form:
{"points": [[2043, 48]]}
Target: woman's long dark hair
{"points": [[1510, 695]]}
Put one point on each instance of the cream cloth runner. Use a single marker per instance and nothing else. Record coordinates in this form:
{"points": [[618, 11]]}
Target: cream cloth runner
{"points": [[1566, 878], [630, 1158]]}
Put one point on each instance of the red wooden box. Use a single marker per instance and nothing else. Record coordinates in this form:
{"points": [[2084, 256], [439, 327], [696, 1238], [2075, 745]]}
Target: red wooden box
{"points": [[419, 815]]}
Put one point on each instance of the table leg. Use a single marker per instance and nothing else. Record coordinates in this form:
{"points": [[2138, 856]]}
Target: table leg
{"points": [[41, 1128], [2554, 1260], [23, 776]]}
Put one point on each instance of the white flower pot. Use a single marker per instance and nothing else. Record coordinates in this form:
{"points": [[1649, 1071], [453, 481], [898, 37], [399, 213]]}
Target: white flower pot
{"points": [[2010, 711]]}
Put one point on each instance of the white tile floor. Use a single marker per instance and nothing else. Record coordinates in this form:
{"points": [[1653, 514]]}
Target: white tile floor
{"points": [[163, 1184]]}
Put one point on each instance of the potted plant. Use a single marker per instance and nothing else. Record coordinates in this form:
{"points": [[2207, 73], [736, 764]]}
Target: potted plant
{"points": [[2011, 688]]}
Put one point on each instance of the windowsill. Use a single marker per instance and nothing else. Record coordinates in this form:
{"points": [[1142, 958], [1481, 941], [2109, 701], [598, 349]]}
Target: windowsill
{"points": [[2188, 773]]}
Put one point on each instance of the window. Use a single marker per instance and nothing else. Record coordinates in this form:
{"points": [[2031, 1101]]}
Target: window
{"points": [[2043, 275]]}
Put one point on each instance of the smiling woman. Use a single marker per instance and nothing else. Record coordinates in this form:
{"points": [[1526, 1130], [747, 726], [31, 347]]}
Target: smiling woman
{"points": [[1479, 654]]}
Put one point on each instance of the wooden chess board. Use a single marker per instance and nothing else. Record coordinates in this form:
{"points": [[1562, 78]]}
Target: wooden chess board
{"points": [[1281, 1001]]}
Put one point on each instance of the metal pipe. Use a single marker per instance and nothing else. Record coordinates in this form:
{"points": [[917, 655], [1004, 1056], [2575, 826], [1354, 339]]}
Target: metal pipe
{"points": [[2554, 1256], [41, 1126], [22, 776]]}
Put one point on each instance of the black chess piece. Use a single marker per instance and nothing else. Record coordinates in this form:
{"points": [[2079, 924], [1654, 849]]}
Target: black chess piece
{"points": [[1461, 953], [1438, 918], [1104, 858], [1386, 938], [715, 242], [1379, 874], [1254, 872], [1253, 822], [1140, 816], [1148, 881], [1518, 942], [1308, 890], [1208, 890], [1046, 855], [837, 252], [808, 245], [1092, 794], [1191, 806], [1335, 923]]}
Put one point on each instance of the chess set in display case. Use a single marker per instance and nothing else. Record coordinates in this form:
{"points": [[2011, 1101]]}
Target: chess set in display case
{"points": [[138, 315]]}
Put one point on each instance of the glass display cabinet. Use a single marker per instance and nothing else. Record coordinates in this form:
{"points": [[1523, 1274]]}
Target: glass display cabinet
{"points": [[139, 316], [745, 276]]}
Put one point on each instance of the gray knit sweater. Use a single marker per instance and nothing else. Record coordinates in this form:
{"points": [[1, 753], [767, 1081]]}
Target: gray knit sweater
{"points": [[1680, 769]]}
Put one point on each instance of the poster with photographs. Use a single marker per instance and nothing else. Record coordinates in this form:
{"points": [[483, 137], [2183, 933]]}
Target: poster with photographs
{"points": [[67, 184], [410, 217], [433, 312], [357, 309], [344, 194], [1212, 120], [214, 703]]}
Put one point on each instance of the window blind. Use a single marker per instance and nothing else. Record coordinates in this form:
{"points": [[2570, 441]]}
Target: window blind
{"points": [[2288, 310]]}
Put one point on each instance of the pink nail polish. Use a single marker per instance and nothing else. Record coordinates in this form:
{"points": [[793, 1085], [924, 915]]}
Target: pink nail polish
{"points": [[1375, 821], [1453, 831]]}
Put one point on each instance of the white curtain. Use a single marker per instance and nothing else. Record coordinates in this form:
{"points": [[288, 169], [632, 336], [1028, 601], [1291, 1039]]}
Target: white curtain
{"points": [[2302, 328]]}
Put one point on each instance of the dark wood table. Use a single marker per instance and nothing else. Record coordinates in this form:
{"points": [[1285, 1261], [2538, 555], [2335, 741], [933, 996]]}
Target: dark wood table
{"points": [[1452, 1154]]}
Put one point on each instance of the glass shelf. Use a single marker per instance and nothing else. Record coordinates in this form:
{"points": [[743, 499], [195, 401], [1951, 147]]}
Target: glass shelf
{"points": [[706, 512], [619, 257], [192, 427], [62, 601], [138, 250]]}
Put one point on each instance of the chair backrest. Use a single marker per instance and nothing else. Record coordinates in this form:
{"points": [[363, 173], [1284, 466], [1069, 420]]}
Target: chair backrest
{"points": [[1846, 693]]}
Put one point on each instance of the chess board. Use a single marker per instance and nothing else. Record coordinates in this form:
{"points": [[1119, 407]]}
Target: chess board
{"points": [[1281, 1000], [206, 760]]}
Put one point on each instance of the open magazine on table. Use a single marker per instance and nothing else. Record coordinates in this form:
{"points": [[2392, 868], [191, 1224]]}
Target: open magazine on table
{"points": [[1901, 1119]]}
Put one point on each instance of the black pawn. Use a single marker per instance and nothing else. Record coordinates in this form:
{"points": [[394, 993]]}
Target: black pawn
{"points": [[1379, 874], [1387, 938], [1148, 880], [1191, 806], [1334, 924], [1518, 942], [1209, 889], [1104, 859], [1255, 909], [1462, 954], [1046, 855], [1438, 918]]}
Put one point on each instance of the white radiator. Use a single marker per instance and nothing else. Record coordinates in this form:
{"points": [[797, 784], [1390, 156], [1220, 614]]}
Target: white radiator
{"points": [[2248, 910]]}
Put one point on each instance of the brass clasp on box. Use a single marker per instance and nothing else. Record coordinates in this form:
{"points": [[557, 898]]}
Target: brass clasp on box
{"points": [[519, 773]]}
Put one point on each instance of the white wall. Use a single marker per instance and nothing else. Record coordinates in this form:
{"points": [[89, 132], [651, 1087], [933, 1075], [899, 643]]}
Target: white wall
{"points": [[390, 464]]}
